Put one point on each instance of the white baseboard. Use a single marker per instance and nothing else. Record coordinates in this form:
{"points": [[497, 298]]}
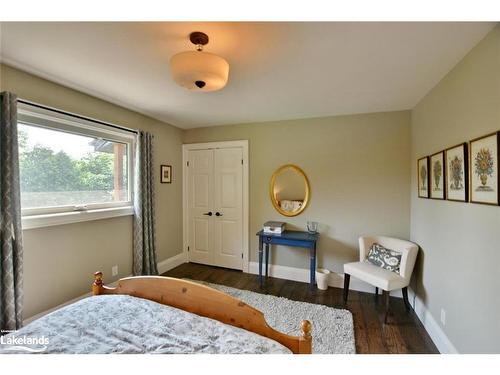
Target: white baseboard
{"points": [[336, 280], [171, 262], [163, 266], [442, 342]]}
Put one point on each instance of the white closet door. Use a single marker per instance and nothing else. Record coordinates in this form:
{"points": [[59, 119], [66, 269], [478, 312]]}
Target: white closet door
{"points": [[228, 205], [201, 206]]}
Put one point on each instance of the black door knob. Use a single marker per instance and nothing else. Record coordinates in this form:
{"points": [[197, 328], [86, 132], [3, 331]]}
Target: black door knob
{"points": [[218, 214], [208, 213]]}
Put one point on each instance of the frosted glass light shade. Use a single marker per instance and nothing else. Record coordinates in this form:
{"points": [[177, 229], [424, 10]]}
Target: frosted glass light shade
{"points": [[193, 68]]}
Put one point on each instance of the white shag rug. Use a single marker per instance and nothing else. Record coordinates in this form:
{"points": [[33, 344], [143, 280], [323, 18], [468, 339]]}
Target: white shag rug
{"points": [[332, 329]]}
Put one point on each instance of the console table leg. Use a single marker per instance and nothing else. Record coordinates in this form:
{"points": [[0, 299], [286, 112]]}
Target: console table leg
{"points": [[260, 262], [268, 250], [313, 267]]}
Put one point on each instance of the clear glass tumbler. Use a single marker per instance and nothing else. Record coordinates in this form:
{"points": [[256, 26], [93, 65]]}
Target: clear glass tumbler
{"points": [[312, 226]]}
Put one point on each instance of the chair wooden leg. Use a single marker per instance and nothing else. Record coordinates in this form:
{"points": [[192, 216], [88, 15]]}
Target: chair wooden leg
{"points": [[376, 293], [405, 299], [386, 297], [347, 278]]}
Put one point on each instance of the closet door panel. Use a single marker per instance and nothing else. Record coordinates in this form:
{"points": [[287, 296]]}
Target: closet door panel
{"points": [[228, 203], [200, 205]]}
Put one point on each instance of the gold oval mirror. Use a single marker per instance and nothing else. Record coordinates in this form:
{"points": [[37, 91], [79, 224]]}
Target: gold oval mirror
{"points": [[289, 190]]}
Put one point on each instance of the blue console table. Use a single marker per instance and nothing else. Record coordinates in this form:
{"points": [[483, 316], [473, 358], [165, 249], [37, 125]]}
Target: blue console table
{"points": [[289, 238]]}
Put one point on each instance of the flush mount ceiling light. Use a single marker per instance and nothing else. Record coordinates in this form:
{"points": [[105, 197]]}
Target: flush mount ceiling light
{"points": [[198, 70]]}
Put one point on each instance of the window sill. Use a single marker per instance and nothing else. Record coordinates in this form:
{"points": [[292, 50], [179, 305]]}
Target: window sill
{"points": [[48, 220]]}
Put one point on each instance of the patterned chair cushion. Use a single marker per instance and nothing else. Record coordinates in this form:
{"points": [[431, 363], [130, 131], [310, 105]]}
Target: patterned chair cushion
{"points": [[384, 258]]}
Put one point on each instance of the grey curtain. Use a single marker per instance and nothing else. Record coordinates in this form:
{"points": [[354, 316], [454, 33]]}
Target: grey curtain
{"points": [[11, 246], [144, 209]]}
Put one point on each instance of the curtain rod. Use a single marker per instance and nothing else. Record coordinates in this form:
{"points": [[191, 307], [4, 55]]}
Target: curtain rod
{"points": [[24, 101]]}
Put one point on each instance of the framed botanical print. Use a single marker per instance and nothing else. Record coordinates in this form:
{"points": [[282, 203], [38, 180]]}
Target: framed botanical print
{"points": [[166, 174], [457, 173], [437, 178], [483, 163], [423, 177]]}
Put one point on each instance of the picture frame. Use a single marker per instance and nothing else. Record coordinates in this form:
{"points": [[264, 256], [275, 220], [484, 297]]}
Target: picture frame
{"points": [[437, 172], [166, 174], [484, 180], [423, 177], [457, 173]]}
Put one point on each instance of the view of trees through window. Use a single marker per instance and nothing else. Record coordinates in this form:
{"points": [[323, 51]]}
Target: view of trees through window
{"points": [[58, 168]]}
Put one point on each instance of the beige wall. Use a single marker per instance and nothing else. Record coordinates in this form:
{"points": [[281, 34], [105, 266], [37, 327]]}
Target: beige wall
{"points": [[358, 169], [59, 261], [459, 264]]}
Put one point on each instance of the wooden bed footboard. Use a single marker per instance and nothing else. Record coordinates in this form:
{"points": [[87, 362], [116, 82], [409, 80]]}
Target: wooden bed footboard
{"points": [[205, 301]]}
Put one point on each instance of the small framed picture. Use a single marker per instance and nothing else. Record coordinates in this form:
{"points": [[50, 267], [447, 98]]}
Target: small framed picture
{"points": [[423, 177], [437, 178], [457, 173], [166, 174], [483, 168]]}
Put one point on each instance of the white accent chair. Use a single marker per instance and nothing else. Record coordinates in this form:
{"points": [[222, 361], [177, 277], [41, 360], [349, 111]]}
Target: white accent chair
{"points": [[379, 277]]}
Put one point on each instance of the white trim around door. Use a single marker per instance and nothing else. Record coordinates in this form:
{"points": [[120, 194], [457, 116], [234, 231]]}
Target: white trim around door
{"points": [[217, 145]]}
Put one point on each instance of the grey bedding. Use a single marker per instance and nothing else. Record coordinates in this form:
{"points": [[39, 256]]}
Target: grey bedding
{"points": [[125, 324]]}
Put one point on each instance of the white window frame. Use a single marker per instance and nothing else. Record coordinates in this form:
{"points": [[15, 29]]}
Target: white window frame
{"points": [[54, 120]]}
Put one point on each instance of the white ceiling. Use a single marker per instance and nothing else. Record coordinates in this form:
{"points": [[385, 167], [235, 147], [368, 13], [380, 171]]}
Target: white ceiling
{"points": [[277, 70]]}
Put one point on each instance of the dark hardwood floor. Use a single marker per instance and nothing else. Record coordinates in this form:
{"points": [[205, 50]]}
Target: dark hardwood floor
{"points": [[403, 334]]}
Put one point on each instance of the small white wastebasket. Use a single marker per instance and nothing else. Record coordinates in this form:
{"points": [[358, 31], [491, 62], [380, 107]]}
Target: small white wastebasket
{"points": [[322, 277]]}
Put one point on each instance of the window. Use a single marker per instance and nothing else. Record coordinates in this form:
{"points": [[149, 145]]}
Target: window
{"points": [[72, 165]]}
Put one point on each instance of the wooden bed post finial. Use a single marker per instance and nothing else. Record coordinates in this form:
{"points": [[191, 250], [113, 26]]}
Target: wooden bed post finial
{"points": [[305, 343], [97, 285], [306, 329]]}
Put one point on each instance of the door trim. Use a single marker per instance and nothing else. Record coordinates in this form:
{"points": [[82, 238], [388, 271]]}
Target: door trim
{"points": [[243, 144]]}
